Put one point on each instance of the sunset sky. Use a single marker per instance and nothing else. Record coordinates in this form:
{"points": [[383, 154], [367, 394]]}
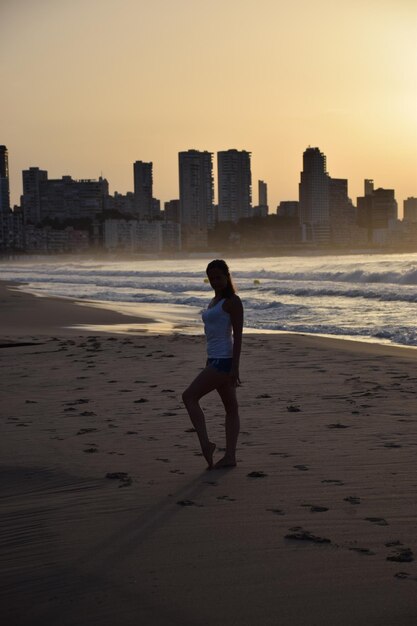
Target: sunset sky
{"points": [[90, 86]]}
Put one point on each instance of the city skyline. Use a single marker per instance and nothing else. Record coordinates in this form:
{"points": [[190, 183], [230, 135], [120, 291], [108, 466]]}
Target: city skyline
{"points": [[104, 88]]}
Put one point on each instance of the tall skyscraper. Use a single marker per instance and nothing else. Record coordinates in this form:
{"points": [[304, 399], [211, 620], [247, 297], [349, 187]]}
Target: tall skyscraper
{"points": [[376, 208], [4, 181], [262, 194], [314, 197], [341, 211], [196, 196], [410, 210], [32, 190], [234, 184], [143, 181]]}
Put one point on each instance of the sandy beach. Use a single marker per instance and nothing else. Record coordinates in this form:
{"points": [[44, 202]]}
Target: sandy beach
{"points": [[108, 515]]}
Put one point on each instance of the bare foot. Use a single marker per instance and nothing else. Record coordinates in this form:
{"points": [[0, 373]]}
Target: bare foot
{"points": [[226, 461], [208, 454]]}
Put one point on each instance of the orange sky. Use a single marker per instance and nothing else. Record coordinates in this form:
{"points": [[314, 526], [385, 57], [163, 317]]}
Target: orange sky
{"points": [[90, 86]]}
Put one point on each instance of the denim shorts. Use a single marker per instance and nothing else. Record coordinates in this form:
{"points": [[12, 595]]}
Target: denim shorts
{"points": [[221, 365]]}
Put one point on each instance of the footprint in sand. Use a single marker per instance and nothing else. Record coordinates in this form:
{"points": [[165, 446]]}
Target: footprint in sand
{"points": [[316, 509], [302, 468], [402, 555], [337, 425], [364, 551], [402, 575], [284, 455], [276, 511], [256, 474], [83, 431], [305, 535], [380, 521], [332, 481], [123, 477], [352, 500], [140, 401]]}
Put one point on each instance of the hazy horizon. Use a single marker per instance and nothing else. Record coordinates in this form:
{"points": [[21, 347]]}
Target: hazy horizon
{"points": [[93, 86]]}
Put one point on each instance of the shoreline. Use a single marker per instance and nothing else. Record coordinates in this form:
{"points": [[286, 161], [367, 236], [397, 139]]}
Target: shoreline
{"points": [[89, 316], [291, 252]]}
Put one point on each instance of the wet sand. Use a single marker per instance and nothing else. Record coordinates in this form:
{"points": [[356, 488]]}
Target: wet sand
{"points": [[108, 515]]}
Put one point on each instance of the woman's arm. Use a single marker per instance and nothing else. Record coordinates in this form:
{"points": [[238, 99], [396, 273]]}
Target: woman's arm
{"points": [[235, 311]]}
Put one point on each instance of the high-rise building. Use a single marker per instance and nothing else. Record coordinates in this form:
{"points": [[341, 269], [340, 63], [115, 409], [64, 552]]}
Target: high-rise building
{"points": [[235, 185], [341, 212], [172, 211], [196, 197], [143, 182], [62, 198], [410, 210], [376, 209], [262, 194], [31, 198], [314, 197], [4, 181], [288, 208]]}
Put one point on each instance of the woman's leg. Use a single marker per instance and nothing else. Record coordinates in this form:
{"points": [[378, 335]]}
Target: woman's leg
{"points": [[208, 380], [228, 395]]}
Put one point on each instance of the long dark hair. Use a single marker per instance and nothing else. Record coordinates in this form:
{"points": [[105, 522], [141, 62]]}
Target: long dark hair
{"points": [[221, 265]]}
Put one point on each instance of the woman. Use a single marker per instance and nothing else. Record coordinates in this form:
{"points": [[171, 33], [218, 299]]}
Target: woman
{"points": [[223, 322]]}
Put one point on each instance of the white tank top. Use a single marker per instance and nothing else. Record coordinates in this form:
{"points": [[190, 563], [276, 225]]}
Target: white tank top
{"points": [[218, 330]]}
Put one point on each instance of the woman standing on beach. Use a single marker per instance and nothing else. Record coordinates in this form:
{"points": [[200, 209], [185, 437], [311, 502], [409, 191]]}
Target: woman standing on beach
{"points": [[223, 322]]}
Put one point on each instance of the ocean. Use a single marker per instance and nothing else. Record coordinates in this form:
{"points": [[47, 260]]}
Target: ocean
{"points": [[364, 297]]}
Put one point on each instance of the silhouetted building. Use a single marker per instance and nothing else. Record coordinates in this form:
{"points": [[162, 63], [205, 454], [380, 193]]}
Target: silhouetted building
{"points": [[31, 198], [288, 208], [66, 199], [61, 199], [124, 204], [375, 210], [314, 197], [143, 236], [235, 185], [342, 213], [143, 182], [262, 193], [410, 210], [196, 197], [172, 211], [156, 209], [4, 181]]}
